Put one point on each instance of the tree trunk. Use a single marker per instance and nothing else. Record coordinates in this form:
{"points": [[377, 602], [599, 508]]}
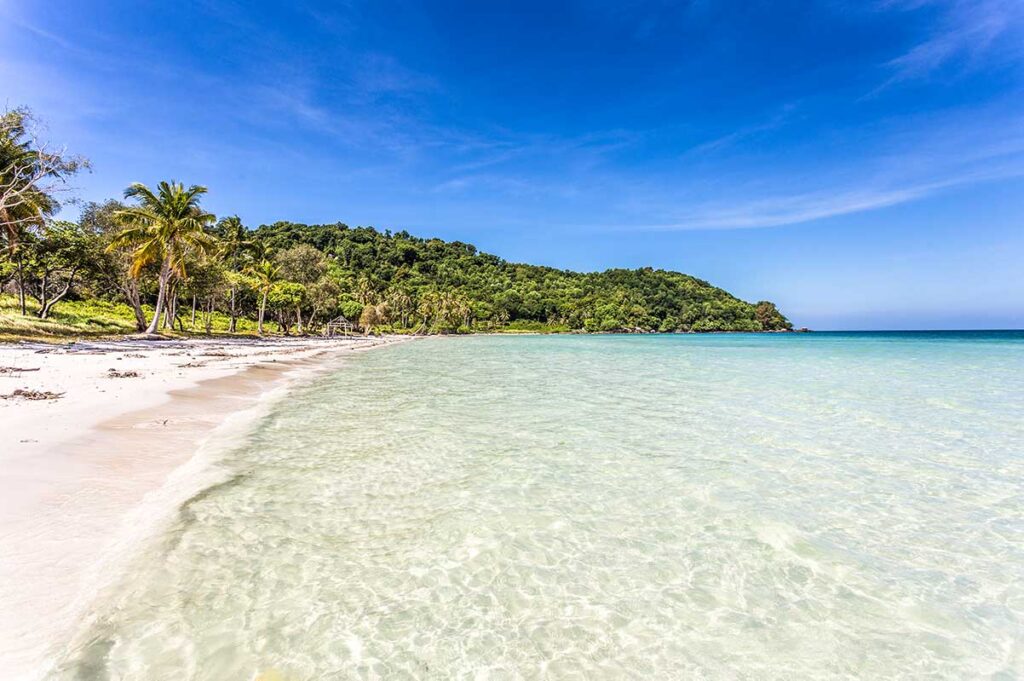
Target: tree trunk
{"points": [[231, 325], [21, 284], [44, 311], [170, 300], [263, 308], [44, 289], [194, 312], [130, 289], [165, 274], [298, 320]]}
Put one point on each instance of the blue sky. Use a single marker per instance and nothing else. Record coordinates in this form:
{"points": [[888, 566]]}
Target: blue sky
{"points": [[861, 163]]}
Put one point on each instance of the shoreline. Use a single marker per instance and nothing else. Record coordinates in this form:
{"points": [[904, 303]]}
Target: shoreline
{"points": [[90, 474]]}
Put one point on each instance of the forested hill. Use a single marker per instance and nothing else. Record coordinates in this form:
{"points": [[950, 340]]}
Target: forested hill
{"points": [[456, 285]]}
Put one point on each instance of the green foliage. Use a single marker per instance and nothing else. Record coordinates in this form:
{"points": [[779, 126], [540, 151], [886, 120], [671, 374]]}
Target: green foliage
{"points": [[286, 295], [351, 309], [302, 276], [301, 263], [444, 286], [54, 258]]}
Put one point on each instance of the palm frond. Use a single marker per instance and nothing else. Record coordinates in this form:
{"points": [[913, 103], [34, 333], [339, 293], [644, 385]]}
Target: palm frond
{"points": [[149, 252]]}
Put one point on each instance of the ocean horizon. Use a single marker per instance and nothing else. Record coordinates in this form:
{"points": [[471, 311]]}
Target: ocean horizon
{"points": [[821, 505]]}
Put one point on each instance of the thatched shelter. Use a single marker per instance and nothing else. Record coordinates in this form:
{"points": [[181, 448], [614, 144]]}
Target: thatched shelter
{"points": [[339, 326]]}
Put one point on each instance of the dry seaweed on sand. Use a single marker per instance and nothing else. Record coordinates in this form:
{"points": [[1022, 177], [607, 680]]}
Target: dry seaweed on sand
{"points": [[16, 370], [114, 373], [20, 394]]}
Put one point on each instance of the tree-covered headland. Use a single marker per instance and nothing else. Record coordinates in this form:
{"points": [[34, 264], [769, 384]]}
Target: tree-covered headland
{"points": [[158, 255]]}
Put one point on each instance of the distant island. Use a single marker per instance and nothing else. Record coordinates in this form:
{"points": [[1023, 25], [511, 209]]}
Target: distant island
{"points": [[157, 261]]}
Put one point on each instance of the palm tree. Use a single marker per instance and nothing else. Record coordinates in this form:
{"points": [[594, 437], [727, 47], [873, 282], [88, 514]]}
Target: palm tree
{"points": [[165, 227], [429, 308], [366, 291], [23, 202], [260, 250], [235, 244], [402, 304], [30, 177], [268, 274], [29, 204]]}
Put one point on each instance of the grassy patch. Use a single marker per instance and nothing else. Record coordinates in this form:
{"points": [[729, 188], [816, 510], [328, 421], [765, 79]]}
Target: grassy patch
{"points": [[99, 319], [74, 319]]}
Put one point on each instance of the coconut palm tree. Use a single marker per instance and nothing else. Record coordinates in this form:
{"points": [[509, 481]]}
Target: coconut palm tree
{"points": [[401, 303], [267, 274], [166, 226], [24, 200], [24, 204], [235, 246], [366, 291]]}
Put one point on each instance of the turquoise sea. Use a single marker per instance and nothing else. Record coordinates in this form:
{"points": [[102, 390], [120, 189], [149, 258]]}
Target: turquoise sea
{"points": [[790, 506]]}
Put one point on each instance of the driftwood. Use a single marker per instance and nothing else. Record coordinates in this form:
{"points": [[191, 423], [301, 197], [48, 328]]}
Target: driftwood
{"points": [[16, 370]]}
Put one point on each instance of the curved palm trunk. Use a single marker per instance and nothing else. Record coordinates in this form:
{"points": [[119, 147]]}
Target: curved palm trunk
{"points": [[170, 304], [263, 309], [165, 274]]}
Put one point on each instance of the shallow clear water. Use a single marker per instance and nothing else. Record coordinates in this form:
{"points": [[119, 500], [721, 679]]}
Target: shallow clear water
{"points": [[735, 506]]}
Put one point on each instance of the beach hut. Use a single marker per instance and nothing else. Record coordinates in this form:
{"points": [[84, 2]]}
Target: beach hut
{"points": [[339, 326]]}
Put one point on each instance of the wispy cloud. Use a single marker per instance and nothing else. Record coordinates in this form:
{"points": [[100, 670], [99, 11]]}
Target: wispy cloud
{"points": [[9, 16], [919, 158], [966, 31], [774, 122], [379, 74], [490, 156], [794, 209]]}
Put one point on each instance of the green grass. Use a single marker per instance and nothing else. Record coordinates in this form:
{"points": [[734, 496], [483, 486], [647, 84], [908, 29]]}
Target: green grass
{"points": [[74, 319], [102, 319], [98, 319]]}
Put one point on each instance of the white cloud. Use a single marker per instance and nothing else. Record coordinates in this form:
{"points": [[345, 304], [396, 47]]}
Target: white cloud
{"points": [[920, 157], [968, 30]]}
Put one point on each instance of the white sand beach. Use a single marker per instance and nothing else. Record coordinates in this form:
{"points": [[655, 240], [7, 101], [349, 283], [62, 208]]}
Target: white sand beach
{"points": [[86, 473]]}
